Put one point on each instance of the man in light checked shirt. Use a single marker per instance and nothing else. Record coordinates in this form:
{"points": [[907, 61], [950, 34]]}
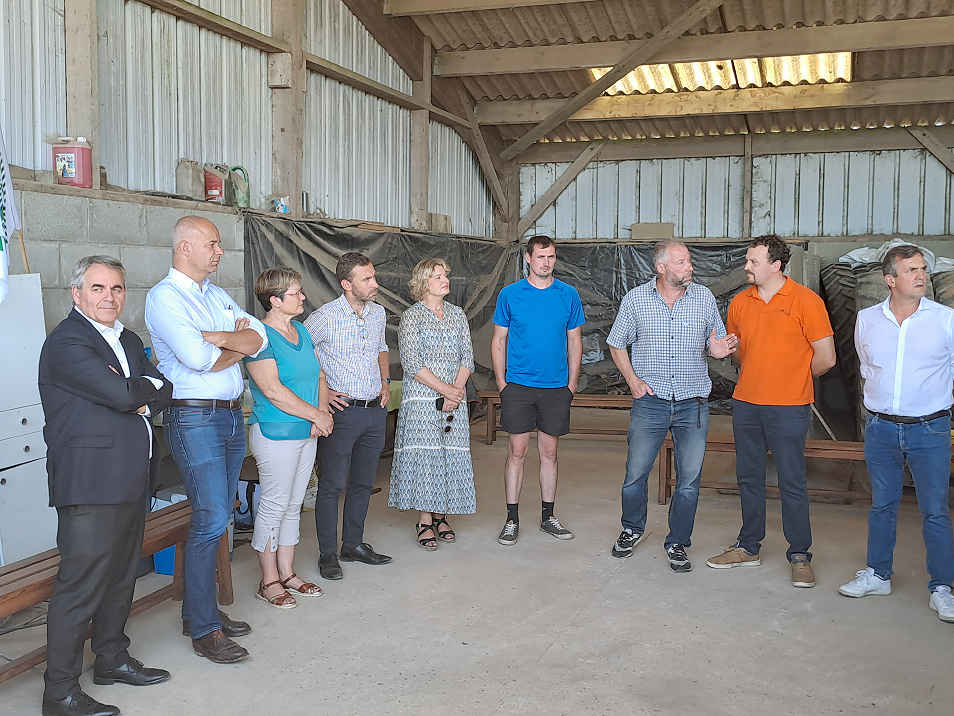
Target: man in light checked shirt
{"points": [[348, 334], [671, 324]]}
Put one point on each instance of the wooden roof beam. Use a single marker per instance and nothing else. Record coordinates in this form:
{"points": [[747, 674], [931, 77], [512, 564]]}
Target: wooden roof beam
{"points": [[643, 54], [437, 7], [762, 99], [857, 37]]}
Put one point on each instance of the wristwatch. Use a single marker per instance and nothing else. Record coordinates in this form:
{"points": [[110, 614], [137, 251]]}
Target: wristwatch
{"points": [[387, 380]]}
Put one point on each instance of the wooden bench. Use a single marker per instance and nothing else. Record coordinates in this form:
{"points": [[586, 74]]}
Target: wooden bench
{"points": [[580, 400], [831, 449], [30, 581]]}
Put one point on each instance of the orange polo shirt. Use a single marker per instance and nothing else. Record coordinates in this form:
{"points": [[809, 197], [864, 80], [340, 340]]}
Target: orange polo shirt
{"points": [[774, 343]]}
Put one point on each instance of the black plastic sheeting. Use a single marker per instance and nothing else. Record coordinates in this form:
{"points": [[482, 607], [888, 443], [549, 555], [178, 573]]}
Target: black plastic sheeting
{"points": [[601, 271]]}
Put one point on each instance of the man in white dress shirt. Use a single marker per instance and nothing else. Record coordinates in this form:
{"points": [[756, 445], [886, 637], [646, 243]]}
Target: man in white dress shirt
{"points": [[906, 348], [200, 335]]}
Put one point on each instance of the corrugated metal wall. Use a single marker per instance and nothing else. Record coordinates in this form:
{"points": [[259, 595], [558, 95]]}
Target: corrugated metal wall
{"points": [[851, 194], [333, 32], [836, 194], [456, 185], [357, 159], [32, 79], [169, 89], [702, 197]]}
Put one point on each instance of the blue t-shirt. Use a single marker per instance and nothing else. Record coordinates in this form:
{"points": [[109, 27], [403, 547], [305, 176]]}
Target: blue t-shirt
{"points": [[537, 320], [298, 370]]}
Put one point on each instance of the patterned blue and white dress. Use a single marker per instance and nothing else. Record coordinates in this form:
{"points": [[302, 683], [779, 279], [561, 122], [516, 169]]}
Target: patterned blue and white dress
{"points": [[432, 469]]}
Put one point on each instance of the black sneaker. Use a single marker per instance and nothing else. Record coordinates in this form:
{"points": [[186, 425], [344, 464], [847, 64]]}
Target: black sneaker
{"points": [[678, 560], [625, 543], [553, 527], [508, 535]]}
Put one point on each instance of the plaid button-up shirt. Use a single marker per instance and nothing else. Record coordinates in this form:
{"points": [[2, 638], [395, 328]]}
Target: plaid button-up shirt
{"points": [[669, 344], [348, 346]]}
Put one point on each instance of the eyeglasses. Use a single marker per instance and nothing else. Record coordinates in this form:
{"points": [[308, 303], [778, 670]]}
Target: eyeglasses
{"points": [[450, 419], [363, 333], [299, 293]]}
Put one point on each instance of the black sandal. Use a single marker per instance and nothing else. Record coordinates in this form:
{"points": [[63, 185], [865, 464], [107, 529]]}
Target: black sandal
{"points": [[428, 544], [447, 535]]}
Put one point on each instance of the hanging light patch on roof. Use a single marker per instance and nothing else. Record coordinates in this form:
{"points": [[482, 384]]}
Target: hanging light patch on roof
{"points": [[732, 74]]}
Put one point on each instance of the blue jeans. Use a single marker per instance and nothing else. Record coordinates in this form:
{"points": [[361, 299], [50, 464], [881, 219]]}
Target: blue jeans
{"points": [[651, 418], [927, 448], [209, 447], [783, 430]]}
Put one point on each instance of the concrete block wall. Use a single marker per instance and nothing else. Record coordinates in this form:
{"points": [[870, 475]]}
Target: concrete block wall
{"points": [[63, 224]]}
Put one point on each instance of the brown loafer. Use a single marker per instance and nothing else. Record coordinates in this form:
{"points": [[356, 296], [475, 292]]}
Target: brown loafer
{"points": [[217, 647], [230, 627]]}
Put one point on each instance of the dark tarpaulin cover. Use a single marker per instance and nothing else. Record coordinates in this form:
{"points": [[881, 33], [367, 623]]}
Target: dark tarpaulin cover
{"points": [[601, 271]]}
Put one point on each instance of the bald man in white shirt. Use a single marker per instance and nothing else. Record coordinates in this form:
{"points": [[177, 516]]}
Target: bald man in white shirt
{"points": [[906, 348]]}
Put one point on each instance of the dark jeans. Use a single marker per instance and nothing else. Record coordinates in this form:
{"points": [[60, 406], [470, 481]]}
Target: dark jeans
{"points": [[349, 458], [650, 420], [99, 546], [927, 448], [783, 430], [209, 447]]}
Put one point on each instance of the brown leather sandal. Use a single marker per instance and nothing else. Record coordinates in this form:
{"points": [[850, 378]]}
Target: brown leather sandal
{"points": [[307, 589], [279, 601]]}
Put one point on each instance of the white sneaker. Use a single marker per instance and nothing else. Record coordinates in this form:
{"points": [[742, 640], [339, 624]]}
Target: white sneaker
{"points": [[867, 582], [942, 601]]}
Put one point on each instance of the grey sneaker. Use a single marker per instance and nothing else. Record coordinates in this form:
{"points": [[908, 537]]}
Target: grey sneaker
{"points": [[678, 559], [626, 542], [553, 527], [508, 535]]}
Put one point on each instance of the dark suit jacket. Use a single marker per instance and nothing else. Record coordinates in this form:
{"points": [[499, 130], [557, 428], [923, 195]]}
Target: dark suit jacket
{"points": [[97, 444]]}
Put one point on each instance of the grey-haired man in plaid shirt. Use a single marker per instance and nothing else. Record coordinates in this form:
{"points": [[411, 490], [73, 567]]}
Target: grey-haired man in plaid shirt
{"points": [[671, 323]]}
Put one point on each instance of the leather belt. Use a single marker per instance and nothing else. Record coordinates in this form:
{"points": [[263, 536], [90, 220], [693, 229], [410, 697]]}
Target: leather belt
{"points": [[369, 403], [907, 420], [196, 403]]}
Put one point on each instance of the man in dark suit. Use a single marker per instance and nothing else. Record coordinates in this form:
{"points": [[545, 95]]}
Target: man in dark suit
{"points": [[98, 390]]}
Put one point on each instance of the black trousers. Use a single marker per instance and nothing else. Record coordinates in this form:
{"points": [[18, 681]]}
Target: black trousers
{"points": [[100, 548], [349, 459]]}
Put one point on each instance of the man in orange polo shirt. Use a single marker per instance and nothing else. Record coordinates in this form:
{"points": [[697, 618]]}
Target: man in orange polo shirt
{"points": [[785, 340]]}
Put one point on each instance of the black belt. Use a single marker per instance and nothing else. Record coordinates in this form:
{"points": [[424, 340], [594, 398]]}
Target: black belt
{"points": [[196, 403], [369, 403], [907, 420]]}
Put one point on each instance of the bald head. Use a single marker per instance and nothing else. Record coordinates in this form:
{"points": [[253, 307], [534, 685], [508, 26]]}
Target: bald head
{"points": [[196, 247], [189, 228]]}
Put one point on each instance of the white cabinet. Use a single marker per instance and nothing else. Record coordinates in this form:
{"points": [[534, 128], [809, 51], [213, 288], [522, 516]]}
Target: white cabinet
{"points": [[27, 522]]}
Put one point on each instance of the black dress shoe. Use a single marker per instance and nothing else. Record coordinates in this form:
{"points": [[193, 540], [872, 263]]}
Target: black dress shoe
{"points": [[132, 673], [230, 628], [78, 704], [362, 553], [217, 647], [328, 567]]}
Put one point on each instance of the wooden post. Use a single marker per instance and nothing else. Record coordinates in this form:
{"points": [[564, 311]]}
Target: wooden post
{"points": [[747, 188], [421, 146], [288, 104], [82, 76]]}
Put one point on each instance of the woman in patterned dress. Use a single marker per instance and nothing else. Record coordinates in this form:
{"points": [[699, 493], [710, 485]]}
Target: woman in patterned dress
{"points": [[432, 470]]}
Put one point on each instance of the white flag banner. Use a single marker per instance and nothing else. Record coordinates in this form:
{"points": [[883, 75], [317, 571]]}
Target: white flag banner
{"points": [[9, 221]]}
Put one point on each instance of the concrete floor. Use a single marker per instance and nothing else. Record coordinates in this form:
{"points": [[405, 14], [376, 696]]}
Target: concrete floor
{"points": [[551, 627]]}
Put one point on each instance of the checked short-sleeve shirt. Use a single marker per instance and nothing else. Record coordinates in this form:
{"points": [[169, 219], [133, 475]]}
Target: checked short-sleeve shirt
{"points": [[669, 344]]}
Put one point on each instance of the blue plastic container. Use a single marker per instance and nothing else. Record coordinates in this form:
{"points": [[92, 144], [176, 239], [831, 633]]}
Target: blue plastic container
{"points": [[165, 560]]}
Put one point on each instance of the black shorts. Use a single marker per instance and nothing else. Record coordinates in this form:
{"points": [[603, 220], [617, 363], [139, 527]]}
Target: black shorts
{"points": [[523, 409]]}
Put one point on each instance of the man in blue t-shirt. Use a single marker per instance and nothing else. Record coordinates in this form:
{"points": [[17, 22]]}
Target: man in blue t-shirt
{"points": [[536, 349]]}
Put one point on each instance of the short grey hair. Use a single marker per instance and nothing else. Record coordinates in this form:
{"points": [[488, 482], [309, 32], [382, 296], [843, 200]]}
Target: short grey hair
{"points": [[661, 251], [78, 277]]}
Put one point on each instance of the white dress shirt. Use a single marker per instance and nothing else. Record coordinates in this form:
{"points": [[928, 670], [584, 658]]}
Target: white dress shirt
{"points": [[908, 368], [177, 311], [112, 334]]}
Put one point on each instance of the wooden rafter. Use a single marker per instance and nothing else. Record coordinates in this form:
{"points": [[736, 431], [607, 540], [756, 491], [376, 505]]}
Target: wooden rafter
{"points": [[934, 145], [486, 160], [708, 102], [436, 7], [857, 37], [641, 55], [559, 186]]}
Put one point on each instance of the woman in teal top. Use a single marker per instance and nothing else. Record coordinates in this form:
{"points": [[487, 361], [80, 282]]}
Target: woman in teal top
{"points": [[285, 425]]}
